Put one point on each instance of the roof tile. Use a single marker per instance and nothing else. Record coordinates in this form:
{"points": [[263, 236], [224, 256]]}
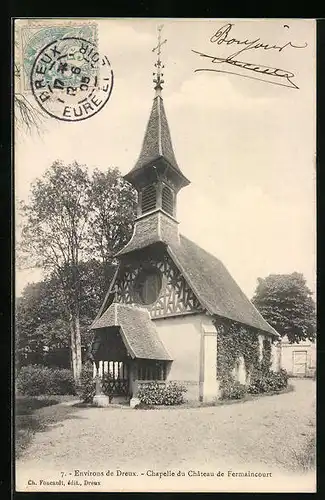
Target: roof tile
{"points": [[157, 140], [138, 331], [214, 286]]}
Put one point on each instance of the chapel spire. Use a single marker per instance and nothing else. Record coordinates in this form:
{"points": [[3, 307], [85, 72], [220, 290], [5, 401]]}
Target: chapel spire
{"points": [[157, 161], [156, 176]]}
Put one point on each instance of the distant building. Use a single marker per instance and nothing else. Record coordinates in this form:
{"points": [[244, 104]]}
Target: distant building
{"points": [[298, 359]]}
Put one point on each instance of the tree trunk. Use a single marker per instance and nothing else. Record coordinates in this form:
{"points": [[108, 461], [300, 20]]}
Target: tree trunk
{"points": [[75, 338], [73, 349], [77, 373]]}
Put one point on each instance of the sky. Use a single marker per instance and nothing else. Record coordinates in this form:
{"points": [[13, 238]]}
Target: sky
{"points": [[247, 146]]}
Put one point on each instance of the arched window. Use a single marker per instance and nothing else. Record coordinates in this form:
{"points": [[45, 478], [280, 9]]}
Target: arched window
{"points": [[167, 200], [148, 199]]}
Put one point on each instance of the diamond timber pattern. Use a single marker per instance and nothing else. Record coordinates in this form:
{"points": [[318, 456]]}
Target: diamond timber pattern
{"points": [[175, 297]]}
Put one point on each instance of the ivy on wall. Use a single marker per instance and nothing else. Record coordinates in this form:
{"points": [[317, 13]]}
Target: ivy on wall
{"points": [[234, 341], [266, 356]]}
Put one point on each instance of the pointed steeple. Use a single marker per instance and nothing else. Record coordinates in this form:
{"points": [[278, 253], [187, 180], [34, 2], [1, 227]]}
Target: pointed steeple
{"points": [[156, 176], [157, 143]]}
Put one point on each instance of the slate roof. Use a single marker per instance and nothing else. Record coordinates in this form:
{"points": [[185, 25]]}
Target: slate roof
{"points": [[214, 286], [151, 228], [157, 140], [138, 331]]}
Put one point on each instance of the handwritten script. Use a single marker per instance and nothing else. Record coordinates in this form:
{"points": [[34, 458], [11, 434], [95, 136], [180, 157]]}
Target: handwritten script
{"points": [[254, 71]]}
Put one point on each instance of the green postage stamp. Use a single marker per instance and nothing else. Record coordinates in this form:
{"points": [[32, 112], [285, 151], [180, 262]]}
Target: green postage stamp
{"points": [[33, 37], [60, 65]]}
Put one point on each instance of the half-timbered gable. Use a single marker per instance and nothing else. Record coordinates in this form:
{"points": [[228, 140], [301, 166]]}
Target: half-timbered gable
{"points": [[174, 296]]}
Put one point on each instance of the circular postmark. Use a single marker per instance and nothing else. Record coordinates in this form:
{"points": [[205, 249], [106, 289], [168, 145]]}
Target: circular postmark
{"points": [[70, 80]]}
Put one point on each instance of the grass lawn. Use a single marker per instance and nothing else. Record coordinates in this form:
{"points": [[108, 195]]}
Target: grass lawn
{"points": [[304, 457], [305, 460], [34, 414]]}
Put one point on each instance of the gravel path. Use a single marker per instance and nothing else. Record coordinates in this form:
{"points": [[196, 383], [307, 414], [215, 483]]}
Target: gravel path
{"points": [[265, 431]]}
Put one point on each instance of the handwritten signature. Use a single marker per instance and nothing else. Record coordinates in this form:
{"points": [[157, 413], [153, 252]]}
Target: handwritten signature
{"points": [[283, 77]]}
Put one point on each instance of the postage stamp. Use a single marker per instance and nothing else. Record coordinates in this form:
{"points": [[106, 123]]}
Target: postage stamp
{"points": [[32, 37], [70, 80], [58, 63]]}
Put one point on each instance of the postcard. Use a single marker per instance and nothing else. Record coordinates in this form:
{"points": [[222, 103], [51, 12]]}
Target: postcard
{"points": [[165, 277]]}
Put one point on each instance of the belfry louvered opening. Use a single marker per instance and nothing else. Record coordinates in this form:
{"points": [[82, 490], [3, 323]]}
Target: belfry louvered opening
{"points": [[167, 200], [149, 196]]}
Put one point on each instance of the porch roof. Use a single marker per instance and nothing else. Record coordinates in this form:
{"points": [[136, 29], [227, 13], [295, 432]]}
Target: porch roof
{"points": [[139, 333]]}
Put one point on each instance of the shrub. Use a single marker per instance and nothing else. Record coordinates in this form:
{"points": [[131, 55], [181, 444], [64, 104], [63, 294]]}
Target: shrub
{"points": [[62, 381], [86, 389], [269, 382], [31, 380], [37, 380], [151, 393], [174, 394], [233, 390], [162, 394]]}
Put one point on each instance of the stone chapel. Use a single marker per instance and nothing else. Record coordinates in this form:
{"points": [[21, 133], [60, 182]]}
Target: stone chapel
{"points": [[160, 317]]}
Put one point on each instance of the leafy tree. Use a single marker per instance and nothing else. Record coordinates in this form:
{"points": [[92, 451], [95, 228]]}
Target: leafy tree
{"points": [[286, 303], [29, 316], [53, 237], [113, 208], [42, 327], [70, 218]]}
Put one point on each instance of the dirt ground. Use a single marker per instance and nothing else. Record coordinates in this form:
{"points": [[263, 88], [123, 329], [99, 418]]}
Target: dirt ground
{"points": [[270, 433]]}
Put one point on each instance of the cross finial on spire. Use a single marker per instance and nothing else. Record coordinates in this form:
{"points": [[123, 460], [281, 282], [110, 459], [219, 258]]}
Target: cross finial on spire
{"points": [[158, 81]]}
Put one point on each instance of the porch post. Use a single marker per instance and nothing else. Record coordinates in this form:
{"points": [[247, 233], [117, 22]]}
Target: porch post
{"points": [[98, 386], [100, 399], [133, 382]]}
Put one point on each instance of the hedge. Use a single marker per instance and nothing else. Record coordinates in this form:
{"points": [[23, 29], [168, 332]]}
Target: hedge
{"points": [[263, 382], [169, 394], [37, 380], [233, 390], [269, 382]]}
